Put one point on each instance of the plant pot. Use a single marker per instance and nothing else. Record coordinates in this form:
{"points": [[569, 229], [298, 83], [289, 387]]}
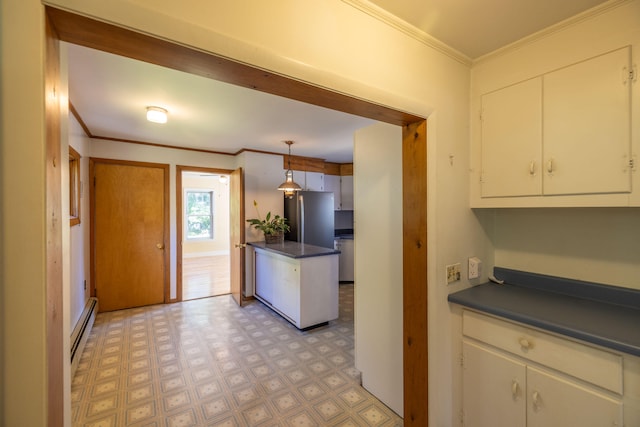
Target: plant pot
{"points": [[270, 239]]}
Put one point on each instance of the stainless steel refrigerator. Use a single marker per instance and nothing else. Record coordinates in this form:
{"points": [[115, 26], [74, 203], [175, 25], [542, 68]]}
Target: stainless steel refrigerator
{"points": [[310, 216]]}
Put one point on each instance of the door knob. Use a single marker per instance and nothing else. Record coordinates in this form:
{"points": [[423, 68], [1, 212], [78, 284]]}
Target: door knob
{"points": [[240, 245], [159, 246]]}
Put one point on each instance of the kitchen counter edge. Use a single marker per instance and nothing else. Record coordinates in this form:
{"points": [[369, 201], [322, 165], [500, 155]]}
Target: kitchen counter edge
{"points": [[295, 250], [598, 314]]}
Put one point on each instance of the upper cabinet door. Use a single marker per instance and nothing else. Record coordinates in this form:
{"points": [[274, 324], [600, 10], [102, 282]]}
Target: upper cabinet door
{"points": [[587, 120], [332, 183], [346, 190], [314, 181], [512, 140]]}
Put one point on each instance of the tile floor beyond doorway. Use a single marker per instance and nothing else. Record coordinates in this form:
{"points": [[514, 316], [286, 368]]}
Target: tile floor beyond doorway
{"points": [[208, 362]]}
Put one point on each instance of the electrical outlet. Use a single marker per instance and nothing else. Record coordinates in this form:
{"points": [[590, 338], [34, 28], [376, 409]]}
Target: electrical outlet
{"points": [[453, 273], [475, 268]]}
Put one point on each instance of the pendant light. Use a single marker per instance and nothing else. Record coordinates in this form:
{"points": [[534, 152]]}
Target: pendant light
{"points": [[289, 186]]}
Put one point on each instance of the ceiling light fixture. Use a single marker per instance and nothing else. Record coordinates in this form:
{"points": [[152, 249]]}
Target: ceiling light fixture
{"points": [[289, 186], [156, 114]]}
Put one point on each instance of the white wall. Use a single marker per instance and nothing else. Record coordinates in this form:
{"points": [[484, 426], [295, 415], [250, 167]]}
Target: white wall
{"points": [[594, 244], [328, 43], [262, 176], [79, 270], [378, 261]]}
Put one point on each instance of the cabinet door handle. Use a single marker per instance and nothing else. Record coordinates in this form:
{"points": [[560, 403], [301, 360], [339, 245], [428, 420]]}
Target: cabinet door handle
{"points": [[532, 168], [535, 399], [526, 344], [514, 389], [550, 166]]}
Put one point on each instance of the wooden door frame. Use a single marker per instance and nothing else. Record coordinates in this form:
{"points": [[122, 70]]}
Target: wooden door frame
{"points": [[180, 218], [99, 35], [166, 230], [54, 328], [237, 248]]}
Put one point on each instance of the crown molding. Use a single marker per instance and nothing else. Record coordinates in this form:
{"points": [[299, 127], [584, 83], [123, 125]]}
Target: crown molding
{"points": [[408, 29], [546, 32]]}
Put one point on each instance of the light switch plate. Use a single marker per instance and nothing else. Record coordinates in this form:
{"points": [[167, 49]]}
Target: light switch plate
{"points": [[453, 273]]}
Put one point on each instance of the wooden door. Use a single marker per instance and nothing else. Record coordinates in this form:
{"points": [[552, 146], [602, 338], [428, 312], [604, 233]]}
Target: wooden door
{"points": [[129, 233], [236, 233]]}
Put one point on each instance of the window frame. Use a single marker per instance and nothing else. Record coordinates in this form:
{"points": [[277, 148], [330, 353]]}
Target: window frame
{"points": [[186, 214], [74, 187]]}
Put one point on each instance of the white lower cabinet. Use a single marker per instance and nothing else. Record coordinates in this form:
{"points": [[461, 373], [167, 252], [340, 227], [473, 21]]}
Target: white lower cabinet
{"points": [[492, 393], [504, 383], [553, 400], [345, 260]]}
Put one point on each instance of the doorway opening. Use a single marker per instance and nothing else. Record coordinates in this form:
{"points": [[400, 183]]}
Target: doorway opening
{"points": [[87, 32], [203, 224]]}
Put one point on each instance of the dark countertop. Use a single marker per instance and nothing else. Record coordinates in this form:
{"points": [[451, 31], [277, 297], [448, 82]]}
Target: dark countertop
{"points": [[604, 315], [294, 249], [343, 233]]}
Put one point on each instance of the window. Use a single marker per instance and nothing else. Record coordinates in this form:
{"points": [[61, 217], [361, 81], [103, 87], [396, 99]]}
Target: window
{"points": [[199, 214], [74, 187]]}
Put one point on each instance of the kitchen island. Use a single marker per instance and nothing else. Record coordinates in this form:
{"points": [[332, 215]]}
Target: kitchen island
{"points": [[298, 281]]}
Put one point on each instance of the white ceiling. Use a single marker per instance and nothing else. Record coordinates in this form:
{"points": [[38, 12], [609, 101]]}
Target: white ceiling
{"points": [[110, 93], [477, 27]]}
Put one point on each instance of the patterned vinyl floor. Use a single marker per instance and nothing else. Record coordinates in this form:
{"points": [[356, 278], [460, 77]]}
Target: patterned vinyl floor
{"points": [[208, 362]]}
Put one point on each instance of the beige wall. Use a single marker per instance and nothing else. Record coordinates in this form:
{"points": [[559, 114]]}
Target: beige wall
{"points": [[597, 245], [22, 244]]}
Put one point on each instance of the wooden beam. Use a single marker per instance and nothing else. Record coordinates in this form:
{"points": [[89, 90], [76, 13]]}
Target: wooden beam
{"points": [[346, 169], [299, 163], [100, 35], [331, 168], [414, 229]]}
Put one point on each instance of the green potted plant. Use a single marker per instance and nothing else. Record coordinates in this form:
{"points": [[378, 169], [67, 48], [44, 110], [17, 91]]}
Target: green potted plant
{"points": [[273, 227]]}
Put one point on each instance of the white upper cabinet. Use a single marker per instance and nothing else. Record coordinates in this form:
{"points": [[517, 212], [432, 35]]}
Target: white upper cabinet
{"points": [[313, 181], [564, 133], [346, 190], [512, 140], [587, 119], [332, 184]]}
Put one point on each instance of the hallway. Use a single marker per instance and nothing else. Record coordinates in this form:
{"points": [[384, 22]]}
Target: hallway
{"points": [[209, 362]]}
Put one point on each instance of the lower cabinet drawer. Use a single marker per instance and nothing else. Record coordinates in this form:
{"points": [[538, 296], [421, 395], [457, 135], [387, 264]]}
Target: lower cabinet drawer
{"points": [[590, 364]]}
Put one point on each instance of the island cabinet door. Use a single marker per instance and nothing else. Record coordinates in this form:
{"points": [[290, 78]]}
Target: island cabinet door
{"points": [[286, 295], [494, 388], [265, 274]]}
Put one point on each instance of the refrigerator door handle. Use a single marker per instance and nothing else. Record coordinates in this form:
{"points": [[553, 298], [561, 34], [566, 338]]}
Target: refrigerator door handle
{"points": [[301, 219]]}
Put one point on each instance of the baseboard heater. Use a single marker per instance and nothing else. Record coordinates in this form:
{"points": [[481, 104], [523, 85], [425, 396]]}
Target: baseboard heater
{"points": [[81, 332]]}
